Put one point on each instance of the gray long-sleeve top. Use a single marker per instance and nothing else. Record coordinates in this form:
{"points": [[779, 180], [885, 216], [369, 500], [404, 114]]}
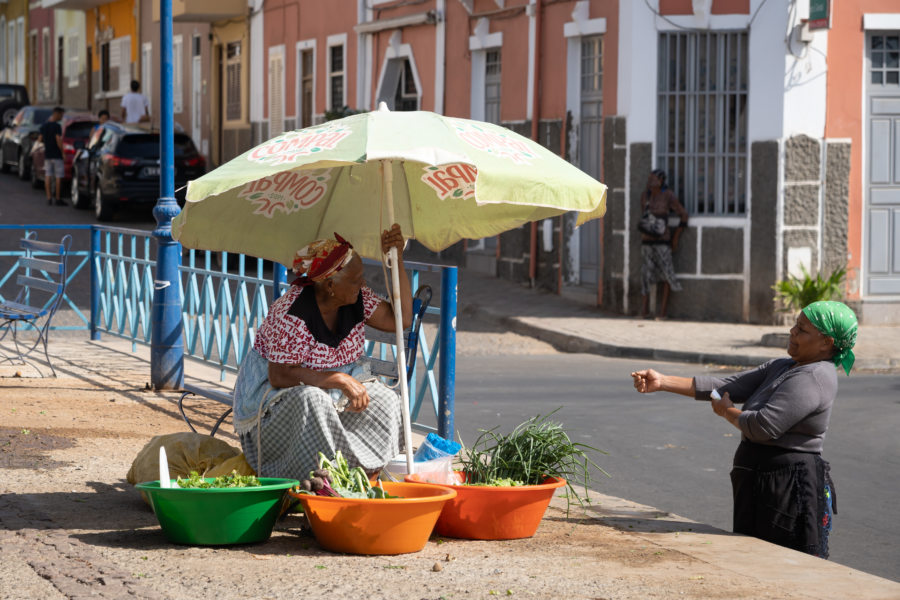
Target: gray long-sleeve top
{"points": [[782, 406]]}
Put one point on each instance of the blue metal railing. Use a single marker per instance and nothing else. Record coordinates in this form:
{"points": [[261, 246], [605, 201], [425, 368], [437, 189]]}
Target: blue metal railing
{"points": [[225, 299]]}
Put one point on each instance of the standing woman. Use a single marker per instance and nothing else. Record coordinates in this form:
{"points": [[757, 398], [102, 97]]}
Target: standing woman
{"points": [[656, 250], [782, 489]]}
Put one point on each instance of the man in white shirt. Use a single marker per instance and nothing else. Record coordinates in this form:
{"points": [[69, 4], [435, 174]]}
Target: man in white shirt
{"points": [[135, 106]]}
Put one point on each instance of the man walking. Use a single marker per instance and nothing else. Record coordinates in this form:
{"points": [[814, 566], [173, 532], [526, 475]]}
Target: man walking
{"points": [[135, 106], [54, 170]]}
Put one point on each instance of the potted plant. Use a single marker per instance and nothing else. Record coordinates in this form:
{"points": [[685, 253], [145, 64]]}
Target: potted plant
{"points": [[795, 293], [506, 482]]}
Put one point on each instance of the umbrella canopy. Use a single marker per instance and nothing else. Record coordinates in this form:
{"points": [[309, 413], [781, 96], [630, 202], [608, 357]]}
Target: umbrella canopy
{"points": [[452, 179], [441, 178]]}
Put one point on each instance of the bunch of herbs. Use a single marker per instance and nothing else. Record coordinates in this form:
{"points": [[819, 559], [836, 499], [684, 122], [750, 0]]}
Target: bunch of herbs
{"points": [[534, 450]]}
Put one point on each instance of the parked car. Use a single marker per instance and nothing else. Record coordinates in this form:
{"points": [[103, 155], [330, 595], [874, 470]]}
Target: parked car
{"points": [[123, 168], [16, 140], [12, 98], [80, 188], [76, 129]]}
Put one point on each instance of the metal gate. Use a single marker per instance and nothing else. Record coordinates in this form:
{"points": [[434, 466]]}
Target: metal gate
{"points": [[882, 264], [590, 144]]}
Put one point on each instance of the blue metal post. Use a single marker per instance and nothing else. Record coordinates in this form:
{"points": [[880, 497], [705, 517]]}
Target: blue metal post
{"points": [[95, 282], [447, 353], [279, 276], [166, 340]]}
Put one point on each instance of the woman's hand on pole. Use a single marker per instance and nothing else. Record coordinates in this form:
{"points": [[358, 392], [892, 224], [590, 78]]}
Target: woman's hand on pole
{"points": [[393, 238]]}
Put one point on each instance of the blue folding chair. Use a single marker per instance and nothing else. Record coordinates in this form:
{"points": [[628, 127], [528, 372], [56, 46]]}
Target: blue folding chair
{"points": [[41, 278]]}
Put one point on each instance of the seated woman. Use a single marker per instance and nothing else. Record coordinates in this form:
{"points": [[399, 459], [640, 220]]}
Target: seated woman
{"points": [[303, 389], [782, 487]]}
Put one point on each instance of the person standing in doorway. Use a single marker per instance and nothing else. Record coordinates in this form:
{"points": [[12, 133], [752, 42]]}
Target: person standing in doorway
{"points": [[135, 106], [54, 169], [658, 243]]}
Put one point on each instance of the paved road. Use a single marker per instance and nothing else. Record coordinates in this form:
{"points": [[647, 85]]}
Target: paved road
{"points": [[673, 453]]}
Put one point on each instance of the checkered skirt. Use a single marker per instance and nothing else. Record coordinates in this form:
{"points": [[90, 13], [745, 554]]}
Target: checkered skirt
{"points": [[293, 425]]}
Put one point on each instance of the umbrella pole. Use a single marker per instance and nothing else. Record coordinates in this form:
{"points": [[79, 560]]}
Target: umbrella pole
{"points": [[396, 304]]}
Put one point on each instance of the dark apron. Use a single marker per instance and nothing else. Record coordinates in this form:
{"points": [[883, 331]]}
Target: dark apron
{"points": [[784, 497]]}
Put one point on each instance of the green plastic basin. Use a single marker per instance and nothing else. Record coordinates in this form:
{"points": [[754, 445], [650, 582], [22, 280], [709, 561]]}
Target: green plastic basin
{"points": [[218, 516]]}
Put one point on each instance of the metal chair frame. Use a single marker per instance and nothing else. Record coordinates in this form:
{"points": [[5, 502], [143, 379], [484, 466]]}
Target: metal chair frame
{"points": [[44, 271]]}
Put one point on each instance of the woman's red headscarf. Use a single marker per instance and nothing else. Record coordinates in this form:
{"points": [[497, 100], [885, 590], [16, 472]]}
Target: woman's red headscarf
{"points": [[321, 259]]}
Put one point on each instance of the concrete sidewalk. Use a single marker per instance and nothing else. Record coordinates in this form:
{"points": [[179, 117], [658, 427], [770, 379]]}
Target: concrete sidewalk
{"points": [[572, 325]]}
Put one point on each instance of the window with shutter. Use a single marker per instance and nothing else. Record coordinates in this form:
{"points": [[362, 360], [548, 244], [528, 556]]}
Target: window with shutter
{"points": [[124, 64], [306, 88], [177, 74], [11, 52], [147, 72], [233, 108], [20, 51], [46, 49], [276, 91], [492, 73], [336, 77], [72, 52], [105, 66], [2, 48]]}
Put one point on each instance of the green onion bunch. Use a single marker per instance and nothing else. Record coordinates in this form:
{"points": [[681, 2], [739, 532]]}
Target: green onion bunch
{"points": [[534, 450]]}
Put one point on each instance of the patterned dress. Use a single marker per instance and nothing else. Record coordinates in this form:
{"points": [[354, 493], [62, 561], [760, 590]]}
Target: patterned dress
{"points": [[283, 430], [656, 251]]}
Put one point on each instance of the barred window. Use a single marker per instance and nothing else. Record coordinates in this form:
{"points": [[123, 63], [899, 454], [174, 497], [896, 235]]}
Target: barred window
{"points": [[702, 119], [492, 74]]}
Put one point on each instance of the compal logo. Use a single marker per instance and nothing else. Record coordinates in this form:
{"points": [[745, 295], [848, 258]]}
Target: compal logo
{"points": [[451, 181], [286, 192], [494, 141], [294, 145]]}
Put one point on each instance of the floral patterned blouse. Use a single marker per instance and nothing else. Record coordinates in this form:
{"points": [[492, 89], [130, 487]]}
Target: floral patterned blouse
{"points": [[294, 333]]}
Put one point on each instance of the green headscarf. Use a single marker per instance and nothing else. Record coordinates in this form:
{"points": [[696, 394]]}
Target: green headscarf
{"points": [[837, 321]]}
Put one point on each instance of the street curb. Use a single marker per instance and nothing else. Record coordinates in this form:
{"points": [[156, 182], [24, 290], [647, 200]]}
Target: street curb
{"points": [[567, 342]]}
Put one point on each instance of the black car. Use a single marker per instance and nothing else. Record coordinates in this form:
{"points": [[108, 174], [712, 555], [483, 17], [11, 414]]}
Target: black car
{"points": [[12, 98], [81, 166], [16, 140], [123, 168]]}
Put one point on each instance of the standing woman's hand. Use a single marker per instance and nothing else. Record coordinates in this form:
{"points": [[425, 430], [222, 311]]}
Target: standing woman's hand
{"points": [[721, 406], [647, 381]]}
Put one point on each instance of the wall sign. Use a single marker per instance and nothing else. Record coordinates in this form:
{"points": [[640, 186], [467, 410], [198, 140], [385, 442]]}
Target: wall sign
{"points": [[819, 14]]}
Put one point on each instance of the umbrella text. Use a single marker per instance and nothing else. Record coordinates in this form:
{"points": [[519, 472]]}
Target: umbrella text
{"points": [[287, 191], [456, 180]]}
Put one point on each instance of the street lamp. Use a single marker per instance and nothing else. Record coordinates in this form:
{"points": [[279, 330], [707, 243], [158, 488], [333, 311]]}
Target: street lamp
{"points": [[166, 341]]}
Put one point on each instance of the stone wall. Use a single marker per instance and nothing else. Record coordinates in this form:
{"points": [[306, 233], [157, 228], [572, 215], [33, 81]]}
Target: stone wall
{"points": [[763, 226], [614, 226], [837, 198]]}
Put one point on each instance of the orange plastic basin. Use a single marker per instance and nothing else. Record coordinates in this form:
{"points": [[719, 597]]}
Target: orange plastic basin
{"points": [[493, 513], [377, 526]]}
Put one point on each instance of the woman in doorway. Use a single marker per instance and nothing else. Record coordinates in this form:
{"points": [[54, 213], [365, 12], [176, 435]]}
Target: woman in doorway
{"points": [[657, 248]]}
